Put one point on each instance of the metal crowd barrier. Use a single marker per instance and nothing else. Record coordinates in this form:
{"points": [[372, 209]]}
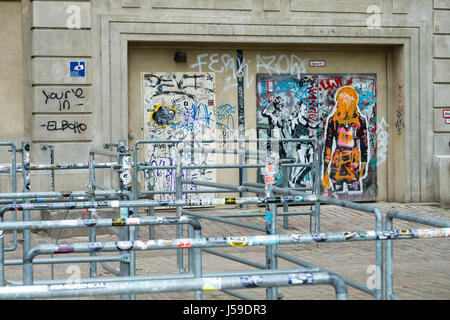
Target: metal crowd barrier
{"points": [[408, 233], [127, 199]]}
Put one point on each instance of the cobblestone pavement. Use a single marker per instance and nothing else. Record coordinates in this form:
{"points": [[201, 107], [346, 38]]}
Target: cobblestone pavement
{"points": [[420, 265]]}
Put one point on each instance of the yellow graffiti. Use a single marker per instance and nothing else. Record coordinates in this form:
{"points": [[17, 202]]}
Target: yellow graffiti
{"points": [[158, 106]]}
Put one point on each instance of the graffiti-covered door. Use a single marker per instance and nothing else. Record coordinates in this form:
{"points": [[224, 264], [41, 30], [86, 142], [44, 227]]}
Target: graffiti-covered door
{"points": [[340, 110], [177, 106]]}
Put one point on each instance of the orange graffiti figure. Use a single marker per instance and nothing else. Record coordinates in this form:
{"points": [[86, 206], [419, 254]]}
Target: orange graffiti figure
{"points": [[346, 144]]}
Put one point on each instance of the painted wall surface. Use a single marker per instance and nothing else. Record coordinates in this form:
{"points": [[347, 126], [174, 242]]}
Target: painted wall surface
{"points": [[340, 111], [11, 80]]}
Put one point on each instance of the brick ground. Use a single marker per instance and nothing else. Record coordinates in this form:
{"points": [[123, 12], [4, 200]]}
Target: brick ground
{"points": [[421, 266]]}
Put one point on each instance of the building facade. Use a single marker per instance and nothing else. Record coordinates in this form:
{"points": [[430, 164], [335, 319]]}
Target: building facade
{"points": [[77, 74]]}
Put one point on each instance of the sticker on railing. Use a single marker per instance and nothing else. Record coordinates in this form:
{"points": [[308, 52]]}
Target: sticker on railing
{"points": [[212, 283], [96, 246], [404, 234], [300, 278], [144, 244], [124, 245], [184, 243], [77, 286], [90, 222], [237, 241], [133, 221], [431, 233], [119, 222], [251, 281], [264, 240]]}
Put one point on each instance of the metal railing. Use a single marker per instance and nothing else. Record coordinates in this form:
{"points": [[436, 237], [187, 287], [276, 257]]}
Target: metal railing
{"points": [[126, 199]]}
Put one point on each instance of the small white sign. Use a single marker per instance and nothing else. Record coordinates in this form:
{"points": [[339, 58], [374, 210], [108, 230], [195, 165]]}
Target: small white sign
{"points": [[317, 63], [447, 120]]}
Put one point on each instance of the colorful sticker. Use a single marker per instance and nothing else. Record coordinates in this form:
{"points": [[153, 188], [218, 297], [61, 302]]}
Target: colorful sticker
{"points": [[264, 240], [90, 222], [251, 281], [124, 245], [268, 222], [212, 283], [144, 244], [64, 248], [118, 222], [404, 234], [184, 243], [362, 234], [383, 235], [237, 241], [230, 200], [218, 201], [319, 237], [349, 235], [70, 205], [131, 221], [123, 213], [96, 246], [301, 278], [269, 179]]}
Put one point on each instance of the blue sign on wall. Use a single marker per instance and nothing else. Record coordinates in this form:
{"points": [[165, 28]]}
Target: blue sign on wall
{"points": [[77, 68]]}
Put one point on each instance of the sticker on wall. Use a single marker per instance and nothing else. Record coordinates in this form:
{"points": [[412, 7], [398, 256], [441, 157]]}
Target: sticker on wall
{"points": [[178, 106], [446, 115], [77, 68], [339, 110]]}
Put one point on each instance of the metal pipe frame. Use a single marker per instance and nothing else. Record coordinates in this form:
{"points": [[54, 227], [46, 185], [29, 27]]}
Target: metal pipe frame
{"points": [[289, 278], [152, 203], [226, 242], [194, 242], [13, 186], [95, 246], [361, 207], [389, 254], [56, 224]]}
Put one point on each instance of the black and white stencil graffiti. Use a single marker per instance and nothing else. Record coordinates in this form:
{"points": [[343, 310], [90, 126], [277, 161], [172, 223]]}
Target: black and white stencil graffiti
{"points": [[283, 115], [178, 106]]}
